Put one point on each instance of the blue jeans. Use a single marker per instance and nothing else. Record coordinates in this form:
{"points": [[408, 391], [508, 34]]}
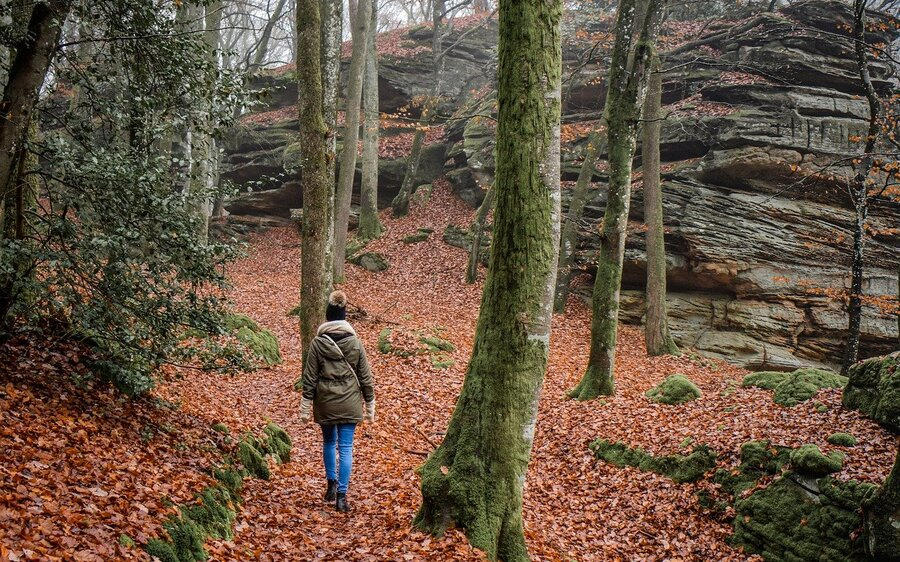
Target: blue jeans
{"points": [[338, 437]]}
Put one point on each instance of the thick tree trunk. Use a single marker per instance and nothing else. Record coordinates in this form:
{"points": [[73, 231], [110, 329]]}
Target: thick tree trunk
{"points": [[26, 75], [569, 239], [474, 480], [369, 223], [627, 87], [477, 231], [859, 188], [332, 14], [656, 329], [315, 274], [351, 136]]}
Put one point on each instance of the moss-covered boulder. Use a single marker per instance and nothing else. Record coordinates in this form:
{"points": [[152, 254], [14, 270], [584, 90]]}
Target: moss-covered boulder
{"points": [[675, 389], [420, 235], [809, 459], [841, 439], [873, 388], [882, 518], [793, 520], [680, 468], [260, 342], [795, 387], [371, 261]]}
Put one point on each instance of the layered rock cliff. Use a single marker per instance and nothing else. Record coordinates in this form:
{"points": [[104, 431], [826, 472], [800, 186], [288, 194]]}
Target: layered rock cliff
{"points": [[756, 253]]}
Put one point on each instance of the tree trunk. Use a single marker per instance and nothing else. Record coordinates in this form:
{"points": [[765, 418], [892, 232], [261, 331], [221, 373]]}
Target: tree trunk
{"points": [[351, 137], [315, 274], [26, 76], [474, 480], [859, 188], [627, 87], [477, 231], [369, 223], [332, 14], [569, 240], [656, 329], [182, 143], [400, 204], [262, 50]]}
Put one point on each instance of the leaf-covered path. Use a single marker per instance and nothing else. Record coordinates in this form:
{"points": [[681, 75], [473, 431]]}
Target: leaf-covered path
{"points": [[575, 507], [79, 468]]}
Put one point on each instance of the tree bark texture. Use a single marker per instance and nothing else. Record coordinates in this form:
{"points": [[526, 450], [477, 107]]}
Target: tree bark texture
{"points": [[859, 188], [315, 274], [474, 480], [568, 244], [351, 136], [369, 223], [627, 87], [656, 328]]}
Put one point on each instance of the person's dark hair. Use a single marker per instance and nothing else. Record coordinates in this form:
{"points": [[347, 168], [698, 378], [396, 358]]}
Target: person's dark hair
{"points": [[337, 306]]}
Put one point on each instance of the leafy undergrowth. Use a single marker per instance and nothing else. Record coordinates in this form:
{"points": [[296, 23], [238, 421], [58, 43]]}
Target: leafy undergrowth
{"points": [[576, 507]]}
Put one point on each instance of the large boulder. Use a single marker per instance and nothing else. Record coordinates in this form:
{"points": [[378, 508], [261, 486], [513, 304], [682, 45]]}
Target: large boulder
{"points": [[873, 388]]}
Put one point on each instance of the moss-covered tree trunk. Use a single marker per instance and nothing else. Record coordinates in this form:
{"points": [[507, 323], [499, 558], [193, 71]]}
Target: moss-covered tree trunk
{"points": [[477, 231], [656, 329], [369, 223], [568, 242], [627, 87], [315, 274], [332, 16], [347, 171], [474, 480], [882, 519]]}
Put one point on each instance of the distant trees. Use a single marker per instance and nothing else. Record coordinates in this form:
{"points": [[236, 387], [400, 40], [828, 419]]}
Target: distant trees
{"points": [[474, 479], [637, 26]]}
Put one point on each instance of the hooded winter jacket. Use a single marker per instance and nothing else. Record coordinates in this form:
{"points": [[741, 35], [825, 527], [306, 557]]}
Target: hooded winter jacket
{"points": [[328, 380]]}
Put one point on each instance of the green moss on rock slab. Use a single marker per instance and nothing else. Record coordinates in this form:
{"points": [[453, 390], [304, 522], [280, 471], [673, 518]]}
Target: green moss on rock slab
{"points": [[842, 439], [421, 235], [809, 459], [675, 389], [680, 468], [795, 387], [370, 261], [796, 520], [873, 388]]}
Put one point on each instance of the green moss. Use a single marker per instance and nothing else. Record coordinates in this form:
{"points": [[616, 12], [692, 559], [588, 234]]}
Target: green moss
{"points": [[234, 322], [798, 386], [809, 459], [161, 550], [252, 459], [842, 439], [675, 389], [354, 246], [680, 468], [221, 428], [126, 541], [370, 261], [213, 513], [384, 341], [231, 480], [435, 343], [441, 361], [873, 388], [187, 539], [882, 517], [294, 312], [278, 442], [262, 343], [421, 235], [792, 521]]}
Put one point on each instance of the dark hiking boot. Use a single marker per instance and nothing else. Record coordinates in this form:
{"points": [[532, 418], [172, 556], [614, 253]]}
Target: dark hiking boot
{"points": [[331, 492], [341, 503]]}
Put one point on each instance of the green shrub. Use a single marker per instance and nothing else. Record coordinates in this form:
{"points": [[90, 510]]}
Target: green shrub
{"points": [[680, 468], [842, 439], [675, 389], [809, 459]]}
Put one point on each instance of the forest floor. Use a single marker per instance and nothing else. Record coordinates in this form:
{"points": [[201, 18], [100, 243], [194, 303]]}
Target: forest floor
{"points": [[79, 468]]}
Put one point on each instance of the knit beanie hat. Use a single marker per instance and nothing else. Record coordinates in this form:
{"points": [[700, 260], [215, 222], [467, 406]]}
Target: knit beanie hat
{"points": [[337, 306]]}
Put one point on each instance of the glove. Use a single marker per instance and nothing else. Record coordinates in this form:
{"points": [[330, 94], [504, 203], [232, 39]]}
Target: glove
{"points": [[370, 411], [305, 409]]}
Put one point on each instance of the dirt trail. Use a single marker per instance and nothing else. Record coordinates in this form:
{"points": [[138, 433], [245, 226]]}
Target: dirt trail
{"points": [[575, 508]]}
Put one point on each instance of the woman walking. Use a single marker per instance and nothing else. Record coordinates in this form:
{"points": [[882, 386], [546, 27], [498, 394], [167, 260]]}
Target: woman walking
{"points": [[338, 390]]}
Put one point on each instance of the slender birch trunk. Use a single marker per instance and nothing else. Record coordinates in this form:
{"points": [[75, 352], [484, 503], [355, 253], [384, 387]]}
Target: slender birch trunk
{"points": [[369, 223], [474, 479], [332, 16]]}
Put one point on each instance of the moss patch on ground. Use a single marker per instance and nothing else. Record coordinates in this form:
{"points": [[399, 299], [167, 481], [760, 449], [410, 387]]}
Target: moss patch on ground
{"points": [[260, 342], [842, 439], [680, 468], [873, 388], [421, 235], [809, 459], [798, 386], [675, 389]]}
